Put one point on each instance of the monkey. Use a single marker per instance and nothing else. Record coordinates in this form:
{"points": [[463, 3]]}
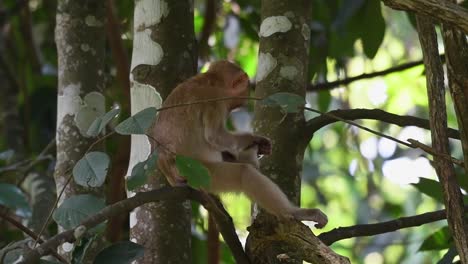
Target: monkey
{"points": [[198, 130]]}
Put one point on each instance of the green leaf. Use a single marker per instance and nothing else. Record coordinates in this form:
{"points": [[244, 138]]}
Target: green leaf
{"points": [[197, 175], [289, 102], [141, 171], [324, 100], [12, 197], [81, 249], [441, 239], [76, 209], [373, 33], [91, 170], [138, 123], [120, 253], [430, 188], [100, 123]]}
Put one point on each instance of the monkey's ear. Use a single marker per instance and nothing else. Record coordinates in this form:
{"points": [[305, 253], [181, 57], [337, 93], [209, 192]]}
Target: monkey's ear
{"points": [[240, 84]]}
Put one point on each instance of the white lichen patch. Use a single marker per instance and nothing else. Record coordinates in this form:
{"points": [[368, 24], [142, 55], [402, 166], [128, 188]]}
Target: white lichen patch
{"points": [[149, 13], [145, 50], [142, 96], [274, 24], [288, 72], [69, 102], [67, 247], [133, 218], [91, 21], [92, 107], [266, 64], [305, 30]]}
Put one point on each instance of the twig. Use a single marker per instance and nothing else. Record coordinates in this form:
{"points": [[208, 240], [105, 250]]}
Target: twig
{"points": [[360, 126], [341, 233], [42, 156], [412, 143], [29, 232], [46, 223], [431, 151], [208, 101], [346, 81]]}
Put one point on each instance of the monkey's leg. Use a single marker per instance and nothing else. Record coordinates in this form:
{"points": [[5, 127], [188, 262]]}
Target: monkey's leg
{"points": [[241, 177], [166, 163]]}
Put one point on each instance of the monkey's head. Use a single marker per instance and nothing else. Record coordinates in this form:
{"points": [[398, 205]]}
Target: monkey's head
{"points": [[235, 80]]}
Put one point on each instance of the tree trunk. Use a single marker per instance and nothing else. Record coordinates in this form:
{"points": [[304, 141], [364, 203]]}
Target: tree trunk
{"points": [[81, 48], [282, 67], [163, 56]]}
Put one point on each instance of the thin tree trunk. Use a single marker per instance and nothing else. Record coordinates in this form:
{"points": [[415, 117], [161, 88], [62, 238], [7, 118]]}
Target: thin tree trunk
{"points": [[163, 56], [80, 42], [282, 67], [438, 122]]}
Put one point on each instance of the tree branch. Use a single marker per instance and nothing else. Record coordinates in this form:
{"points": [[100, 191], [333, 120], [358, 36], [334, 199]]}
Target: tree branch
{"points": [[337, 83], [442, 10], [175, 194], [341, 233], [316, 123], [27, 231]]}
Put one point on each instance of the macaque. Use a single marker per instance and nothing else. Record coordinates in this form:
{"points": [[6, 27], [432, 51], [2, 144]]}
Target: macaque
{"points": [[198, 131]]}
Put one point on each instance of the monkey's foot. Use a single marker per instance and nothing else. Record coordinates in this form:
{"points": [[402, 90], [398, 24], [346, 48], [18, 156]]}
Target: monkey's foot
{"points": [[312, 215]]}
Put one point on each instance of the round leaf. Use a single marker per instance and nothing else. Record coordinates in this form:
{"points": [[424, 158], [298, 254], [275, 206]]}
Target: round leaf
{"points": [[91, 170], [197, 175], [77, 208], [140, 172], [100, 123], [120, 253], [12, 197], [138, 123]]}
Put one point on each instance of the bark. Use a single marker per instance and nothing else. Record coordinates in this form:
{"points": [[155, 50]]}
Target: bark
{"points": [[79, 36], [163, 56], [456, 52], [444, 11], [282, 67], [438, 122]]}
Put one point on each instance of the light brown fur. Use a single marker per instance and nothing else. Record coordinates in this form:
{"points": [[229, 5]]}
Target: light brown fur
{"points": [[198, 131]]}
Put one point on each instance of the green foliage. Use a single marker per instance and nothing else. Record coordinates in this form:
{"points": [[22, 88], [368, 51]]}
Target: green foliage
{"points": [[141, 171], [196, 174], [289, 103], [77, 208], [91, 170], [138, 123], [120, 253], [100, 123], [430, 188], [12, 197], [441, 239]]}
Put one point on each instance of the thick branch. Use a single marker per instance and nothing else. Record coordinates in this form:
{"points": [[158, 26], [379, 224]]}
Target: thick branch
{"points": [[442, 10], [341, 233], [338, 83], [438, 120], [174, 194], [318, 122]]}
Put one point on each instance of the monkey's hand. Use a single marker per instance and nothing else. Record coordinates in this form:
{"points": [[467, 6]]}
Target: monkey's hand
{"points": [[264, 145]]}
